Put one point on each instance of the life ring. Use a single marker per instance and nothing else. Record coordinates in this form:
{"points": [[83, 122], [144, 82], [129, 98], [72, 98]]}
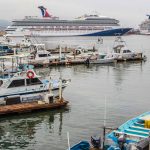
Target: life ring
{"points": [[30, 74]]}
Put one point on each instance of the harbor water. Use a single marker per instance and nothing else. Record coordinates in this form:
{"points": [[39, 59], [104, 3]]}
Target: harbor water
{"points": [[124, 86]]}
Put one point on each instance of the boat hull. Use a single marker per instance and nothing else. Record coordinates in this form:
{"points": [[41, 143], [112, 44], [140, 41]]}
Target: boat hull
{"points": [[112, 32], [29, 95], [102, 61], [132, 131]]}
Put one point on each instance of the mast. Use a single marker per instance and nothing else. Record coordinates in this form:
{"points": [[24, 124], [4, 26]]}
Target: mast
{"points": [[104, 129], [60, 86], [68, 140]]}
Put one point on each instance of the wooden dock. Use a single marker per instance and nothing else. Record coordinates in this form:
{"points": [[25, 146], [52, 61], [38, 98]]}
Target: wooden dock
{"points": [[30, 107], [57, 63]]}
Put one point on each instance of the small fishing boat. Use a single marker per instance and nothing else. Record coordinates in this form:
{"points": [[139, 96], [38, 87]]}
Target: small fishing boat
{"points": [[26, 84], [101, 59], [41, 56], [14, 63], [7, 41], [80, 54], [83, 145], [5, 50], [133, 133], [121, 51]]}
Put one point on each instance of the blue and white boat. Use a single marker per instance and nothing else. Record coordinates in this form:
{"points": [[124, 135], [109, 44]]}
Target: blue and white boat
{"points": [[132, 133], [83, 145], [28, 84], [49, 26]]}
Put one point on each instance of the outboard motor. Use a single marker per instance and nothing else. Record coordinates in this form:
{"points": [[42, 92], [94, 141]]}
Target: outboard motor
{"points": [[121, 141], [96, 141], [143, 144], [87, 61]]}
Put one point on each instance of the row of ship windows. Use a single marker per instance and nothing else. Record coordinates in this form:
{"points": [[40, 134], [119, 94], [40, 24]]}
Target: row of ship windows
{"points": [[55, 24], [62, 29], [70, 22], [65, 27]]}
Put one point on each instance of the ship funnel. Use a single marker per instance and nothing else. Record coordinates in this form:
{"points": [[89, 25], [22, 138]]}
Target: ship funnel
{"points": [[44, 11]]}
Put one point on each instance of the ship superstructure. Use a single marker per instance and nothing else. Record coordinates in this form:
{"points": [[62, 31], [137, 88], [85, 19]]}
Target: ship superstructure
{"points": [[48, 25]]}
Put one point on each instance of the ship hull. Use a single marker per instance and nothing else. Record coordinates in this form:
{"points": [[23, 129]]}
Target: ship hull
{"points": [[112, 32]]}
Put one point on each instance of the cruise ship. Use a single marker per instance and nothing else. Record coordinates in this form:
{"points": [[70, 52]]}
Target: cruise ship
{"points": [[48, 25], [145, 26]]}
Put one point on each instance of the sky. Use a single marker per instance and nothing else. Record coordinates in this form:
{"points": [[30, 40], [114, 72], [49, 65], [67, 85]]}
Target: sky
{"points": [[130, 13]]}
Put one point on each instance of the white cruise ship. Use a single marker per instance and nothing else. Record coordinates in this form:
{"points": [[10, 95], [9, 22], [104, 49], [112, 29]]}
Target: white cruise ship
{"points": [[145, 26], [48, 25]]}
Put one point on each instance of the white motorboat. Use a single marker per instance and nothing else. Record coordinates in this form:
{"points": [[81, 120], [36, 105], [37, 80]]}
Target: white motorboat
{"points": [[121, 51], [80, 54], [145, 26], [41, 55], [28, 84], [101, 59]]}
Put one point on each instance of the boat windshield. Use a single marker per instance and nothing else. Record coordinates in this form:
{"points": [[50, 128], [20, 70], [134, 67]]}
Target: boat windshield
{"points": [[126, 51], [117, 50], [44, 55], [33, 81], [17, 83]]}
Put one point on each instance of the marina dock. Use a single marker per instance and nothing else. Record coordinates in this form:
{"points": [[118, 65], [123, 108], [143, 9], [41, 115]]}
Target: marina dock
{"points": [[57, 63], [30, 107]]}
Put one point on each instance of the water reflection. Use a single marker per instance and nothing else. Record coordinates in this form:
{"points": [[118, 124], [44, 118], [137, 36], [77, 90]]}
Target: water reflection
{"points": [[18, 132], [121, 70]]}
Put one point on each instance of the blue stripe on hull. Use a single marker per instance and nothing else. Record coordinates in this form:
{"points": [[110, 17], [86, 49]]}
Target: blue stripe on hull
{"points": [[113, 32]]}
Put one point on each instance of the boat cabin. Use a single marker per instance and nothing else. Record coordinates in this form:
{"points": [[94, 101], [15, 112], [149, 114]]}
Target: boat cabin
{"points": [[21, 79], [40, 52], [24, 82], [121, 50], [4, 50]]}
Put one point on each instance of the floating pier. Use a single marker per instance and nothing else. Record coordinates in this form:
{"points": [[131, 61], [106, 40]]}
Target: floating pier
{"points": [[30, 107], [57, 63]]}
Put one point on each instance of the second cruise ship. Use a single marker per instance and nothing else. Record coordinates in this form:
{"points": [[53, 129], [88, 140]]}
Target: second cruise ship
{"points": [[48, 25], [145, 26]]}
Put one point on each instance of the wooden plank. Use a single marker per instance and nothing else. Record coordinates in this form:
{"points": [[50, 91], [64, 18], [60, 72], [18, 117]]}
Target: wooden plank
{"points": [[28, 107]]}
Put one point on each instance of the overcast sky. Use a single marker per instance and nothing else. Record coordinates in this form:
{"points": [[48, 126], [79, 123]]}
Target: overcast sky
{"points": [[129, 12]]}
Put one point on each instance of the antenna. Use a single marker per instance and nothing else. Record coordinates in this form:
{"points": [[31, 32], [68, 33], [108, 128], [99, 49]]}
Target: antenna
{"points": [[105, 111], [104, 129], [60, 86]]}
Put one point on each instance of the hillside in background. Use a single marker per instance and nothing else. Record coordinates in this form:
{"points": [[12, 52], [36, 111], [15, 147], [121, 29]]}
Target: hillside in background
{"points": [[4, 24]]}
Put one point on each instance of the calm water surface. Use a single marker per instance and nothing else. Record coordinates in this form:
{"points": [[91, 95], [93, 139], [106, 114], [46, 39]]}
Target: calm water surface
{"points": [[125, 86]]}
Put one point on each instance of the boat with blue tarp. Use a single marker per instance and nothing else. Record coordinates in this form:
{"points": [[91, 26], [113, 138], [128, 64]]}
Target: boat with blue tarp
{"points": [[132, 135], [134, 132]]}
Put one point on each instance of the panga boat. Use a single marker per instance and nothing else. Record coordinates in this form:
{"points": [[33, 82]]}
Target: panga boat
{"points": [[26, 84], [134, 133], [83, 145]]}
